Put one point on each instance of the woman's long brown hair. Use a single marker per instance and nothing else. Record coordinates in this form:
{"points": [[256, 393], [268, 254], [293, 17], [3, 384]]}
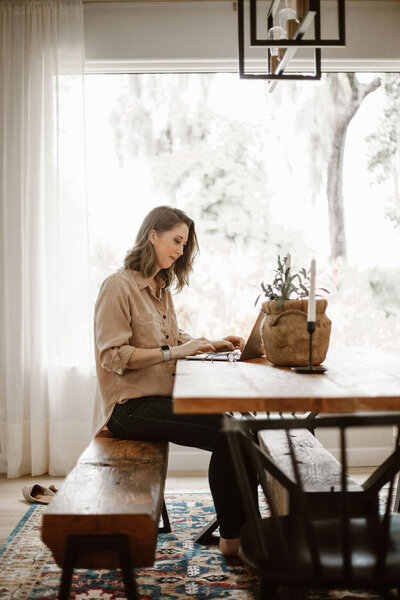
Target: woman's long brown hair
{"points": [[142, 256]]}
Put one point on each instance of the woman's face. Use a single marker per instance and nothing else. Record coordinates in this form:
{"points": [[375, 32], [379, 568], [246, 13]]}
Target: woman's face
{"points": [[169, 245]]}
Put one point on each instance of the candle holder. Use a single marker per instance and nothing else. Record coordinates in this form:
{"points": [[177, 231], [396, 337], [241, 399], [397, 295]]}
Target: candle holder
{"points": [[311, 327]]}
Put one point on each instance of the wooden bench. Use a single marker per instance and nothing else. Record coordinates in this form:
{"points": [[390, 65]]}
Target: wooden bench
{"points": [[320, 472], [107, 512]]}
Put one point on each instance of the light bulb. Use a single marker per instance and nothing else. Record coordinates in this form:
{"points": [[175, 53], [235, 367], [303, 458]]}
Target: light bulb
{"points": [[276, 33], [286, 14]]}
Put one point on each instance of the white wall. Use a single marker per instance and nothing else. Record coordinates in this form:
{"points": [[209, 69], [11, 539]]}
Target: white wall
{"points": [[181, 36], [362, 450]]}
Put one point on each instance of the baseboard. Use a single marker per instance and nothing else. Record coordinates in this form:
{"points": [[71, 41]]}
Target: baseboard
{"points": [[363, 457], [182, 458], [191, 460], [360, 451]]}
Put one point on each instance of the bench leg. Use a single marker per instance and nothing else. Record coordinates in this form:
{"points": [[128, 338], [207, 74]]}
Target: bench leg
{"points": [[166, 528], [67, 570], [95, 543], [125, 560]]}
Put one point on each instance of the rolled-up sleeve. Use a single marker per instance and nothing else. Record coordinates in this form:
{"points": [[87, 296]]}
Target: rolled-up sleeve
{"points": [[113, 327], [183, 337]]}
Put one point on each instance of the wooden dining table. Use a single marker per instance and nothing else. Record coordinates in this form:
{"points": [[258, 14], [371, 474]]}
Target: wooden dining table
{"points": [[356, 379]]}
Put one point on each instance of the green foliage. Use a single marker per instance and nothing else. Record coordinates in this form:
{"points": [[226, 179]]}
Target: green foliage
{"points": [[384, 144], [286, 285], [205, 162]]}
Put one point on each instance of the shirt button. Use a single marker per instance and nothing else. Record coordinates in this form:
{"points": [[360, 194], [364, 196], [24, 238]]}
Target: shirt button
{"points": [[167, 336], [173, 374], [164, 316]]}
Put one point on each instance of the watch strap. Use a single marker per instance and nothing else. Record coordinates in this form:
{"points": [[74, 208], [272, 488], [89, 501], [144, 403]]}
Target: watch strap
{"points": [[166, 350]]}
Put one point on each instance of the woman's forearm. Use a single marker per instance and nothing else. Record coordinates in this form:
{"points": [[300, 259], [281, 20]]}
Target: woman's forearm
{"points": [[143, 357]]}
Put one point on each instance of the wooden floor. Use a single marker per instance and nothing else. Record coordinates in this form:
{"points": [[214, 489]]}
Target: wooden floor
{"points": [[13, 506]]}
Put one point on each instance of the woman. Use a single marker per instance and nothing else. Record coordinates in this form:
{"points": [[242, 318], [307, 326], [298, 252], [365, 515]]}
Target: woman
{"points": [[137, 343]]}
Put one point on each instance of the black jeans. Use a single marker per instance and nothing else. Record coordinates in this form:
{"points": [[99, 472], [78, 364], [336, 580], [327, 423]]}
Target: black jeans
{"points": [[151, 419]]}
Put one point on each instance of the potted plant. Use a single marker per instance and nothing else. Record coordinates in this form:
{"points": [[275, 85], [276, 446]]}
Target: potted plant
{"points": [[283, 330]]}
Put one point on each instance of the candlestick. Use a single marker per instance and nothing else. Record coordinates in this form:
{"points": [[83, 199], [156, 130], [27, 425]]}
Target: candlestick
{"points": [[311, 297], [311, 327]]}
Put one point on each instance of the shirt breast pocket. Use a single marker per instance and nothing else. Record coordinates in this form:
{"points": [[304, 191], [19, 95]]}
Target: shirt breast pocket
{"points": [[147, 331]]}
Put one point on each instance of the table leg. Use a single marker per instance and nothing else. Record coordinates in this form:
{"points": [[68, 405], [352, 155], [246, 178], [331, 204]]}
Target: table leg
{"points": [[206, 537], [397, 498]]}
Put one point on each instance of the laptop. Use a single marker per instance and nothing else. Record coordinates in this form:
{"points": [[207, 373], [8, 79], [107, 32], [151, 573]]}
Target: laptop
{"points": [[252, 349]]}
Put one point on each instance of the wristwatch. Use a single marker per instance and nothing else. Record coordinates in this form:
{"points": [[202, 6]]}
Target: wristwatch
{"points": [[166, 350]]}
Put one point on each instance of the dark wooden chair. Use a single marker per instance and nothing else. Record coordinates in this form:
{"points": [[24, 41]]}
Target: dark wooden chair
{"points": [[354, 545]]}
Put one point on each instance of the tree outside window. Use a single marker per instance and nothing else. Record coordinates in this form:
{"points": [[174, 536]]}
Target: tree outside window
{"points": [[311, 169]]}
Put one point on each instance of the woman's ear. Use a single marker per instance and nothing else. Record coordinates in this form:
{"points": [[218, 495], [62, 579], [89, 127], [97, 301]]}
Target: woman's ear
{"points": [[152, 236]]}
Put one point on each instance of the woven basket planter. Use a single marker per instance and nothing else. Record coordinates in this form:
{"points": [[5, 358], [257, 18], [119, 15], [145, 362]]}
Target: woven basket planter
{"points": [[285, 337]]}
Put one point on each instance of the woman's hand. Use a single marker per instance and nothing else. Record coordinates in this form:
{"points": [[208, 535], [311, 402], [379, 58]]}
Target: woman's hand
{"points": [[228, 343], [192, 347]]}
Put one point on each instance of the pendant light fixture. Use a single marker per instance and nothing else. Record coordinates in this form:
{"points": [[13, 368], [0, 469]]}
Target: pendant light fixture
{"points": [[283, 27]]}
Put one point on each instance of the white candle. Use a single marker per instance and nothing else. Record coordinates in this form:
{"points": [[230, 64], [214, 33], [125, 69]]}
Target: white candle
{"points": [[311, 296], [288, 262]]}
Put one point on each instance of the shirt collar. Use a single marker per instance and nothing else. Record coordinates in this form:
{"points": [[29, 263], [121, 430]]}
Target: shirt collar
{"points": [[143, 283]]}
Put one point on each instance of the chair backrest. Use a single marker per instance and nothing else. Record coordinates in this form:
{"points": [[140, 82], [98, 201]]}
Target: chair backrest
{"points": [[242, 436]]}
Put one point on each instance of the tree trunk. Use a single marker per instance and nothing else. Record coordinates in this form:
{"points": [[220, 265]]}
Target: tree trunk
{"points": [[347, 94], [335, 194]]}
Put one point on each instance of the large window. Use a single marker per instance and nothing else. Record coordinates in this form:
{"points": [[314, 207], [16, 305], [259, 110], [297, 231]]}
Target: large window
{"points": [[312, 169]]}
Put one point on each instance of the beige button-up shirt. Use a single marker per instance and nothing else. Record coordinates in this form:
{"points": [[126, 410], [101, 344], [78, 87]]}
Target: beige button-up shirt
{"points": [[129, 315]]}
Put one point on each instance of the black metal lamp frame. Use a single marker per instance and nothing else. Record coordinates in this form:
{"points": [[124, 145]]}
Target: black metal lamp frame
{"points": [[291, 45]]}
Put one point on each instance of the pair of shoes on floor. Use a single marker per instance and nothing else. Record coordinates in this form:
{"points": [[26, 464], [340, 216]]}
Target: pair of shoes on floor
{"points": [[37, 494]]}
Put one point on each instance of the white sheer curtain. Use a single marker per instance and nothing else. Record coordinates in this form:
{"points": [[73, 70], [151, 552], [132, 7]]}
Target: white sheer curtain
{"points": [[46, 385]]}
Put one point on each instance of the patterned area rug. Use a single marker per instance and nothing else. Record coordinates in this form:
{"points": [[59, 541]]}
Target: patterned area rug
{"points": [[183, 569]]}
